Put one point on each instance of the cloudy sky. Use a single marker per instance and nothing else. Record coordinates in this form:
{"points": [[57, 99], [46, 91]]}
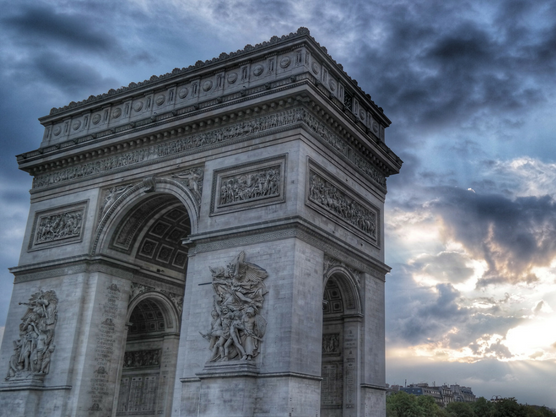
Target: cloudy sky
{"points": [[470, 88]]}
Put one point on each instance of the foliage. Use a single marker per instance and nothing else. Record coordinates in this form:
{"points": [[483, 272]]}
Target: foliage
{"points": [[403, 404], [482, 407], [460, 410], [508, 407]]}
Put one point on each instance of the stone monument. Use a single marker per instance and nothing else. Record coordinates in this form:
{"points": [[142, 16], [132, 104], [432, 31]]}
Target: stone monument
{"points": [[208, 242]]}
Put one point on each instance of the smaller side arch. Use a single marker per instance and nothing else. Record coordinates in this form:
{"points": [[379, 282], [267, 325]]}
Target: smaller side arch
{"points": [[169, 311], [348, 286]]}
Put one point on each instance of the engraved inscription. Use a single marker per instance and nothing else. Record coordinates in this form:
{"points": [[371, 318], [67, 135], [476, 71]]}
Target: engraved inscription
{"points": [[34, 348], [335, 201], [101, 388], [332, 385]]}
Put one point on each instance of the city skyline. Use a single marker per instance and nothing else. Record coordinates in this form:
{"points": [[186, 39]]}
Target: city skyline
{"points": [[470, 220]]}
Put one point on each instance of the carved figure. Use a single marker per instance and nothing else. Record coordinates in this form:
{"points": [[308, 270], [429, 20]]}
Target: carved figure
{"points": [[333, 200], [112, 194], [59, 226], [192, 179], [250, 186], [237, 328], [33, 350], [140, 358]]}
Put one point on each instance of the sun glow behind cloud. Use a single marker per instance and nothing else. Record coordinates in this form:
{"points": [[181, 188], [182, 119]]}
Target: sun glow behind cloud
{"points": [[483, 302]]}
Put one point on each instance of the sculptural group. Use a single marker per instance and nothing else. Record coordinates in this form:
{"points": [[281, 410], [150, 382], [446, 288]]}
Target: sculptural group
{"points": [[34, 348], [237, 328]]}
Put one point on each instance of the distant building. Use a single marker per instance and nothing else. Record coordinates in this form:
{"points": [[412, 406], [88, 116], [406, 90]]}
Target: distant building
{"points": [[443, 395], [463, 394]]}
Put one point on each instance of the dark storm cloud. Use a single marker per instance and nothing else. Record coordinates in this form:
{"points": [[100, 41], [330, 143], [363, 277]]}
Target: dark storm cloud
{"points": [[510, 235], [437, 66], [44, 29], [429, 316], [67, 75], [42, 24]]}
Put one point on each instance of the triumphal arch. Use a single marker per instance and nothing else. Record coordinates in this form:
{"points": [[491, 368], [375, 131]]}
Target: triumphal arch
{"points": [[208, 242]]}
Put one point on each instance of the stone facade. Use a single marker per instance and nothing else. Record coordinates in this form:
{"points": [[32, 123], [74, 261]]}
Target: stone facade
{"points": [[208, 242]]}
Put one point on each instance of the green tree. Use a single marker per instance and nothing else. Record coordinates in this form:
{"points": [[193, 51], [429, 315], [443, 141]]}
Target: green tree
{"points": [[509, 407], [534, 411], [460, 410], [482, 407], [402, 404], [429, 407]]}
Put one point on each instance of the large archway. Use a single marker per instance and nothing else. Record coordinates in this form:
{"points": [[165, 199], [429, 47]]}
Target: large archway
{"points": [[146, 233], [340, 344]]}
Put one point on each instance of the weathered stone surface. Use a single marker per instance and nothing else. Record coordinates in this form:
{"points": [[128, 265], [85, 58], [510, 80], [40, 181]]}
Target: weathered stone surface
{"points": [[213, 238]]}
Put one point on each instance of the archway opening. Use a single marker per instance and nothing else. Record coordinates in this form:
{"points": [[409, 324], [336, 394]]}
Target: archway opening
{"points": [[340, 347], [149, 361], [149, 236]]}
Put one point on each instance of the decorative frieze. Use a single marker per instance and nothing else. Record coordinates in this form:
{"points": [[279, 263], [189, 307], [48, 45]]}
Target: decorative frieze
{"points": [[142, 358], [237, 327], [329, 198], [249, 186], [59, 226], [217, 137], [34, 348]]}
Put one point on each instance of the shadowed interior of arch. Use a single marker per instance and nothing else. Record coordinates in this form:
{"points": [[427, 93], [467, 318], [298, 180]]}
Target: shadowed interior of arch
{"points": [[340, 300], [151, 233]]}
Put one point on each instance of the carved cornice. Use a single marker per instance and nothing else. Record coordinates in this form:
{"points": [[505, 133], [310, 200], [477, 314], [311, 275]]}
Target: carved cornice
{"points": [[88, 264], [223, 58], [292, 227], [198, 136]]}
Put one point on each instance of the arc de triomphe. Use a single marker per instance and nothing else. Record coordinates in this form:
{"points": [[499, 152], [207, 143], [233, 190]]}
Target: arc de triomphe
{"points": [[206, 243]]}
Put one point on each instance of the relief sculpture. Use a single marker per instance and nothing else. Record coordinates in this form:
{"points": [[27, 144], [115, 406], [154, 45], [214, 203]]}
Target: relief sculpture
{"points": [[59, 226], [237, 328], [335, 201], [250, 186], [137, 359], [34, 348]]}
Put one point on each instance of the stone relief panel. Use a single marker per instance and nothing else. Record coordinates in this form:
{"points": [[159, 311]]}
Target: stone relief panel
{"points": [[59, 226], [331, 344], [142, 358], [342, 205], [34, 348], [237, 327], [249, 186]]}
